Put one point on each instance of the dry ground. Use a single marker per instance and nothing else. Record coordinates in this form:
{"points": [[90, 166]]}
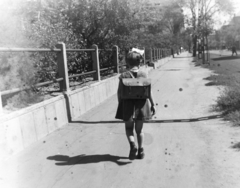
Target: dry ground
{"points": [[178, 155]]}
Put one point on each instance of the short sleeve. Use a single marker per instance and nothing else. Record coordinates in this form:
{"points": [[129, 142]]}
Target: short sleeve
{"points": [[120, 77], [124, 75], [141, 74]]}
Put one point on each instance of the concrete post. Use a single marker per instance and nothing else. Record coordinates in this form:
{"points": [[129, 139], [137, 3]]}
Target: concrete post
{"points": [[1, 107], [115, 58], [96, 66], [151, 56], [144, 56], [155, 54], [62, 67]]}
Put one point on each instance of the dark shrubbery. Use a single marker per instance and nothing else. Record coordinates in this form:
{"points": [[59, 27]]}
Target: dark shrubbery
{"points": [[226, 74], [229, 103], [79, 24]]}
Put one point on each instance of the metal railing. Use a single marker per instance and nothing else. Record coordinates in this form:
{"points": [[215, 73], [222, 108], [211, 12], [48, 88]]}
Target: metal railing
{"points": [[62, 68], [62, 71]]}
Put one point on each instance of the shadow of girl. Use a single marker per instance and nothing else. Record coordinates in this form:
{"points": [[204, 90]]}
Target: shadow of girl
{"points": [[86, 159]]}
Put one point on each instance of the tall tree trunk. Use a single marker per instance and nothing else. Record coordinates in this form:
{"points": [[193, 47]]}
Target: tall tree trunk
{"points": [[194, 40]]}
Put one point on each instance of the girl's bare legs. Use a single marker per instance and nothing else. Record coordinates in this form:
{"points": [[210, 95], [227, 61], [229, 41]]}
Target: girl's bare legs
{"points": [[140, 138], [140, 134], [129, 126]]}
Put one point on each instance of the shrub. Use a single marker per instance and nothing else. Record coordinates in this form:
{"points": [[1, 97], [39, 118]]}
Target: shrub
{"points": [[229, 100], [234, 117], [17, 71], [23, 99]]}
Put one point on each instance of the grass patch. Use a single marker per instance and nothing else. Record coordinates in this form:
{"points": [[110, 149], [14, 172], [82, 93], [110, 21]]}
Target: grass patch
{"points": [[226, 72]]}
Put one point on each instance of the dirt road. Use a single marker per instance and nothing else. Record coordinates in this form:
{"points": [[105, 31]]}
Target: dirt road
{"points": [[178, 155]]}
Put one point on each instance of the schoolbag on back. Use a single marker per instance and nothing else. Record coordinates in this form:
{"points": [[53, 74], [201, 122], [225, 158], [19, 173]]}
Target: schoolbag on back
{"points": [[136, 88]]}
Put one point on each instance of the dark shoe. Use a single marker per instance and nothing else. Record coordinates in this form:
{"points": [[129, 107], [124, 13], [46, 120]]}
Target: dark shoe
{"points": [[133, 153], [140, 153]]}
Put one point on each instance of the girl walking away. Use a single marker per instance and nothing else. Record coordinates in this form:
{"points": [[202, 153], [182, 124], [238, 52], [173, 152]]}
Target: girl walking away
{"points": [[134, 111], [234, 50]]}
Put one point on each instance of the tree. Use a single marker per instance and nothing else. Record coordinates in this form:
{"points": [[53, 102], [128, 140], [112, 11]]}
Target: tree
{"points": [[202, 14], [173, 20], [160, 26], [231, 32]]}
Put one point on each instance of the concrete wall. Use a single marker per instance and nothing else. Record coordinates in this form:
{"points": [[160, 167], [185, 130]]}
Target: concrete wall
{"points": [[86, 98], [22, 128]]}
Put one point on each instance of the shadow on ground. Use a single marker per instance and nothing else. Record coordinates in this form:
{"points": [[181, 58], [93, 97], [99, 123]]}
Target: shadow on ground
{"points": [[157, 120], [182, 56], [226, 58], [212, 81], [170, 69], [211, 84], [65, 160], [236, 146]]}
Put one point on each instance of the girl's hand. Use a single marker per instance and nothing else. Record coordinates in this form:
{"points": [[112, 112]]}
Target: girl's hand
{"points": [[153, 110]]}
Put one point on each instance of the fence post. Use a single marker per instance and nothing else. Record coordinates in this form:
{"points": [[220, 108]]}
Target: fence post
{"points": [[115, 58], [1, 107], [95, 58], [151, 57], [153, 54], [62, 67], [144, 56], [156, 54]]}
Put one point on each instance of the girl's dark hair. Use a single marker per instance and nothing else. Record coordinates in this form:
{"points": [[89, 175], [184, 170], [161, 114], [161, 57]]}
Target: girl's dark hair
{"points": [[133, 59]]}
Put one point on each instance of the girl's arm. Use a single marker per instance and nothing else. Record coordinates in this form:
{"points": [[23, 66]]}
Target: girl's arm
{"points": [[152, 104], [151, 95], [153, 110], [151, 99], [119, 90]]}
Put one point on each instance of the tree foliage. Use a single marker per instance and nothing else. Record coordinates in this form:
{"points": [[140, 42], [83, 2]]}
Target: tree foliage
{"points": [[82, 23], [201, 16], [230, 34]]}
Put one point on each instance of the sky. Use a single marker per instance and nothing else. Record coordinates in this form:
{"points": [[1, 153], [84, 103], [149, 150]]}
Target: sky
{"points": [[223, 19], [237, 6]]}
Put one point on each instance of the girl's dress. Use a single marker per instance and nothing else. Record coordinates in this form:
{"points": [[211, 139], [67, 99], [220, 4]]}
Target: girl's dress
{"points": [[133, 109]]}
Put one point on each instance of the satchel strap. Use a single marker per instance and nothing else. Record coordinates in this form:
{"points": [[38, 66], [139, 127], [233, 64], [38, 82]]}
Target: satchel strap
{"points": [[131, 74]]}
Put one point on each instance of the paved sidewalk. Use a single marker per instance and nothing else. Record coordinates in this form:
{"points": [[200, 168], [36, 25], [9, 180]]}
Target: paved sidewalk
{"points": [[94, 154]]}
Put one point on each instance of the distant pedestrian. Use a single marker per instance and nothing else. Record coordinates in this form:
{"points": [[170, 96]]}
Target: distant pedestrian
{"points": [[134, 111], [172, 51], [234, 50]]}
